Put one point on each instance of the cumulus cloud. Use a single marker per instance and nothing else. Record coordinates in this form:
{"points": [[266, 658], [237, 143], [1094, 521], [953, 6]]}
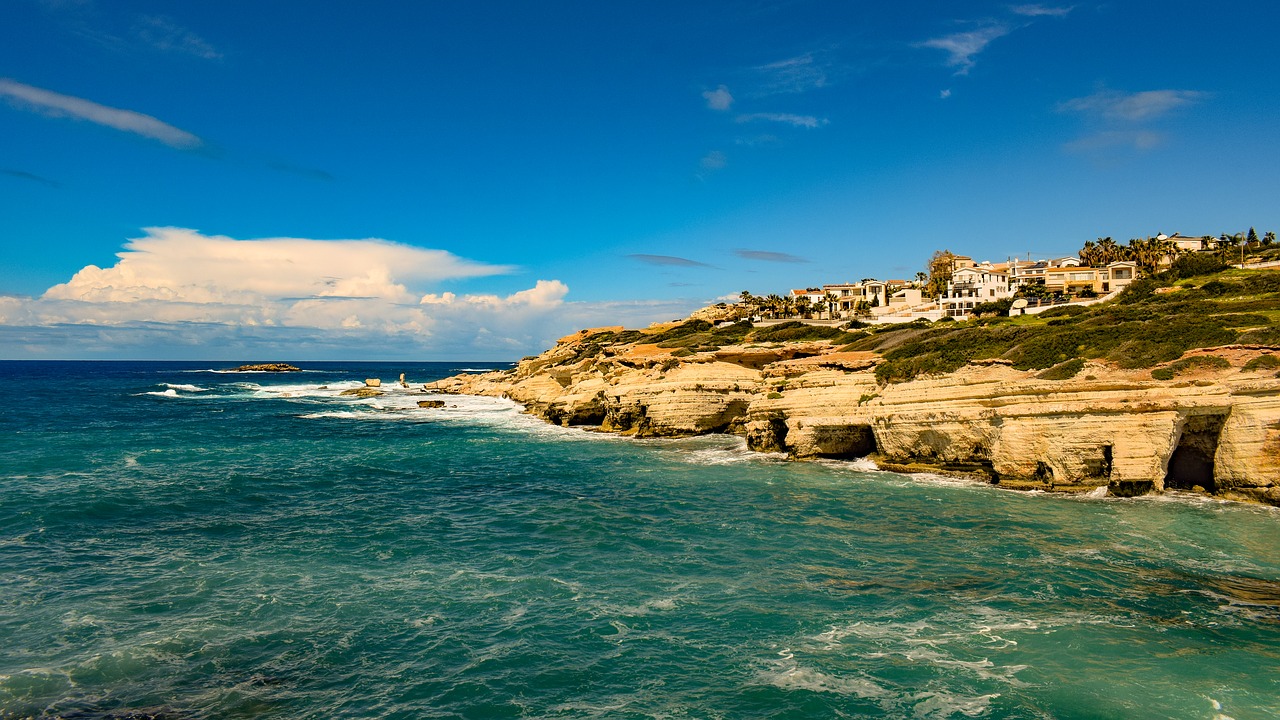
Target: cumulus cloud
{"points": [[718, 99], [1132, 107], [962, 47], [805, 121], [177, 293], [183, 266], [58, 105]]}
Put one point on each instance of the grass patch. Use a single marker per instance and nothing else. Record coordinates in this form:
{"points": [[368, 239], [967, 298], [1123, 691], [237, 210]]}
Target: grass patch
{"points": [[1063, 370], [1263, 362], [1191, 364]]}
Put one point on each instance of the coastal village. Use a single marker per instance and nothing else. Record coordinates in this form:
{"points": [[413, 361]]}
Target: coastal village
{"points": [[958, 287]]}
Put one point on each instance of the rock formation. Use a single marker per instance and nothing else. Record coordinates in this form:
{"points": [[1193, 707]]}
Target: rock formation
{"points": [[1216, 431], [268, 367]]}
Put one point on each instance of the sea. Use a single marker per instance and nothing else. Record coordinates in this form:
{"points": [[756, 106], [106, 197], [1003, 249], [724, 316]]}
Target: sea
{"points": [[178, 541]]}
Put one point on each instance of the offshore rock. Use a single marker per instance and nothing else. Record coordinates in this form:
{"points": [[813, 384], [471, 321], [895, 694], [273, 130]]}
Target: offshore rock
{"points": [[268, 367], [362, 392]]}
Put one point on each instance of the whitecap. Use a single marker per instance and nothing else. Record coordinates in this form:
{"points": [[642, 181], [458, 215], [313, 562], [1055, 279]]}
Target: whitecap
{"points": [[170, 393], [185, 388]]}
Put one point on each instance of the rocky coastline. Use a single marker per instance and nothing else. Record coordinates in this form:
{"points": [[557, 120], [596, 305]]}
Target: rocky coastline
{"points": [[1212, 429]]}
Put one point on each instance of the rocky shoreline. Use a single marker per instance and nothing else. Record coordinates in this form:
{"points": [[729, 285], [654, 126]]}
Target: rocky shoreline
{"points": [[1214, 430]]}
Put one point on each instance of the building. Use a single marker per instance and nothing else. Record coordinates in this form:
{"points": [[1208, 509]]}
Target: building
{"points": [[971, 286], [1073, 279]]}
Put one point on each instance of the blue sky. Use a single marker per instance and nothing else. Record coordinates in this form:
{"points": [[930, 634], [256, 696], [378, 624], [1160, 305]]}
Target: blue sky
{"points": [[473, 180]]}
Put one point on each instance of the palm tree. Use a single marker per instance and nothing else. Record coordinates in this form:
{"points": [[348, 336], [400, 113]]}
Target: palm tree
{"points": [[804, 307], [831, 300], [1109, 251], [774, 303], [1268, 238], [1089, 253]]}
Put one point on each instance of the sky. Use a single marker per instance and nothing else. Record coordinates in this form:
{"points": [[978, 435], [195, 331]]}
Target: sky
{"points": [[243, 180]]}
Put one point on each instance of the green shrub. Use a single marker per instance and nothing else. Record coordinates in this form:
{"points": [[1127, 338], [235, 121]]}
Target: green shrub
{"points": [[994, 307], [1263, 362], [1262, 336], [774, 395], [1063, 370], [1199, 362], [797, 331], [1194, 265], [688, 328]]}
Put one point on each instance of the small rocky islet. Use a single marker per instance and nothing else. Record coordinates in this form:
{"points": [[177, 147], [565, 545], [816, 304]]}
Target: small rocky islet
{"points": [[267, 367]]}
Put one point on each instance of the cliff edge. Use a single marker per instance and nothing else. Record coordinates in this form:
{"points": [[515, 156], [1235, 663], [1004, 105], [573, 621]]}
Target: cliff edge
{"points": [[1125, 412]]}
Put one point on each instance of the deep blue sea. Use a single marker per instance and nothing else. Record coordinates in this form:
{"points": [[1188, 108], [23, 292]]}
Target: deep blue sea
{"points": [[182, 543]]}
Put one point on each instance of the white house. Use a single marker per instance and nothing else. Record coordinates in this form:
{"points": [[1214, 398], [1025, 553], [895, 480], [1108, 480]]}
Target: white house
{"points": [[971, 286]]}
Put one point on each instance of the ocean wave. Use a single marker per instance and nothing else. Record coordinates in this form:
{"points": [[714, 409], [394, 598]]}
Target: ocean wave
{"points": [[185, 388]]}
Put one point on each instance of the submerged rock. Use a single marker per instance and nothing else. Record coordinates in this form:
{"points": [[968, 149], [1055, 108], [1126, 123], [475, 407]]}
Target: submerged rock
{"points": [[363, 392], [430, 403]]}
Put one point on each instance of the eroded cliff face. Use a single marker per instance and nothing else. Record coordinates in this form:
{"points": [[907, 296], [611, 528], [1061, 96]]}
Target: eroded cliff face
{"points": [[1217, 431]]}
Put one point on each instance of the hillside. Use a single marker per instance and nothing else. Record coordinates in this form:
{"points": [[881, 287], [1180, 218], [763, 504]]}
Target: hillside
{"points": [[1171, 386]]}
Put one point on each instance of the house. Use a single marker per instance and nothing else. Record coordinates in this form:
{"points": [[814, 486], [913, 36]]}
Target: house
{"points": [[972, 286], [1073, 279]]}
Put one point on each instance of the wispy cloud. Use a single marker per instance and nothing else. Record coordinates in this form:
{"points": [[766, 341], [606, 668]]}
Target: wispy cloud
{"points": [[1132, 107], [805, 121], [165, 34], [57, 105], [768, 256], [1041, 10], [23, 175], [962, 47], [714, 160], [1111, 139], [718, 99], [667, 261], [798, 74]]}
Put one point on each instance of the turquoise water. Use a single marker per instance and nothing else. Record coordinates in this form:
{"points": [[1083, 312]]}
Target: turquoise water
{"points": [[189, 544]]}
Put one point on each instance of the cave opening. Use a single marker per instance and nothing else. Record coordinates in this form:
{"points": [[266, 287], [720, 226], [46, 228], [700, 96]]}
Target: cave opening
{"points": [[1191, 465], [844, 441]]}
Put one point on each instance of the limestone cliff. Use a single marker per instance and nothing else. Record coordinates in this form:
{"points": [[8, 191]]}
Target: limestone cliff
{"points": [[1215, 430]]}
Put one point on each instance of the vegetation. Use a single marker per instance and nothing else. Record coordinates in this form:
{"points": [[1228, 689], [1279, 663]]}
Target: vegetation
{"points": [[797, 331], [1140, 329], [1263, 362], [1191, 364], [1063, 370]]}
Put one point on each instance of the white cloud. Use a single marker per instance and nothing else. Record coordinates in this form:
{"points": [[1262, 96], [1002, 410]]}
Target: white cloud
{"points": [[1132, 107], [177, 265], [178, 293], [944, 94], [1041, 10], [806, 121], [718, 99], [165, 34], [58, 105], [963, 46]]}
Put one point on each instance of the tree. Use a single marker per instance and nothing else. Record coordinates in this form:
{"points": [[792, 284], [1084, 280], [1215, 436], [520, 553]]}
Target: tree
{"points": [[831, 301], [941, 265], [1268, 238], [1089, 253], [922, 278], [1252, 240]]}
